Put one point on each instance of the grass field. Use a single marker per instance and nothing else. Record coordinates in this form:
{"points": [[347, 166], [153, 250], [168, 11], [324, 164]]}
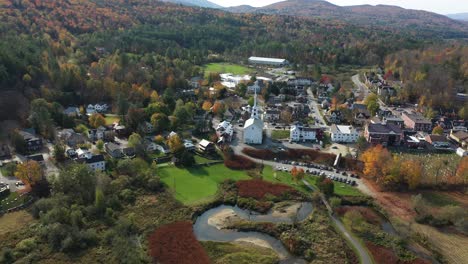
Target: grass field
{"points": [[340, 188], [112, 119], [195, 185], [280, 134], [9, 202], [438, 199], [226, 68], [12, 222]]}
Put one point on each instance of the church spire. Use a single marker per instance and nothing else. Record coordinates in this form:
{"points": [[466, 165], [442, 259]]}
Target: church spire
{"points": [[254, 108]]}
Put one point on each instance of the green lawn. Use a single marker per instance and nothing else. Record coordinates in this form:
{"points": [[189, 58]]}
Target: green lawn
{"points": [[280, 134], [340, 188], [112, 119], [226, 68], [9, 202], [195, 185], [269, 174]]}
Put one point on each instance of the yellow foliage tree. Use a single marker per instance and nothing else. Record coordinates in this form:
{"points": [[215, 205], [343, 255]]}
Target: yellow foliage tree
{"points": [[175, 144], [97, 120], [30, 172], [207, 105], [377, 163], [412, 172]]}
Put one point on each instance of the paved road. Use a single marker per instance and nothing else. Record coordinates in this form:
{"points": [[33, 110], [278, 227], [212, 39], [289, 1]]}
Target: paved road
{"points": [[360, 249], [364, 90], [313, 104]]}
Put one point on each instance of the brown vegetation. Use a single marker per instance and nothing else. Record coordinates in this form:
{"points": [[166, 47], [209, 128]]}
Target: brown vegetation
{"points": [[236, 162], [176, 244], [386, 255]]}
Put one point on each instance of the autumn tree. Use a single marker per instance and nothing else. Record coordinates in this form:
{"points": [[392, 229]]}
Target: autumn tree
{"points": [[462, 171], [218, 108], [175, 144], [30, 172], [134, 140], [100, 145], [207, 105], [96, 120], [412, 172], [160, 122], [377, 161], [438, 130], [297, 174], [59, 152]]}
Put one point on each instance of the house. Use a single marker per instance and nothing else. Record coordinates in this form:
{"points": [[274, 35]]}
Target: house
{"points": [[461, 137], [253, 127], [146, 127], [72, 111], [335, 116], [345, 134], [82, 153], [384, 134], [437, 141], [272, 115], [97, 108], [459, 125], [113, 150], [101, 133], [416, 122], [325, 104], [129, 152], [71, 138], [224, 131], [268, 61], [151, 146], [361, 114], [33, 143], [39, 158], [71, 153], [4, 151], [299, 133], [94, 162], [394, 120], [205, 146], [188, 144], [194, 82]]}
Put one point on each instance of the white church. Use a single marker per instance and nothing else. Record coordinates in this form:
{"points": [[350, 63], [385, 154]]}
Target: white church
{"points": [[253, 127]]}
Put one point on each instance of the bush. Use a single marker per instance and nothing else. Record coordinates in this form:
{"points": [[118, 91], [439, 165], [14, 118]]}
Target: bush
{"points": [[335, 202], [306, 155], [257, 189], [128, 196], [236, 162], [26, 245]]}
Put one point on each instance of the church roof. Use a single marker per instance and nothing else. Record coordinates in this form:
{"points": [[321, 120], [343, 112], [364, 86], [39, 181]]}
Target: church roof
{"points": [[253, 122]]}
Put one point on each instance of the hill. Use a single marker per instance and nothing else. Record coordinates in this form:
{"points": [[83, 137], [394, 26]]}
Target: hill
{"points": [[367, 15], [459, 16], [199, 3]]}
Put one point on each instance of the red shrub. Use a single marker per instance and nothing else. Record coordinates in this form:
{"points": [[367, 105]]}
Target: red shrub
{"points": [[176, 244], [264, 154], [257, 189], [237, 162], [306, 155], [368, 214], [386, 255]]}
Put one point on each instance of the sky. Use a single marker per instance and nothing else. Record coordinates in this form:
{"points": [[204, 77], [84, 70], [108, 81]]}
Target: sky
{"points": [[437, 6]]}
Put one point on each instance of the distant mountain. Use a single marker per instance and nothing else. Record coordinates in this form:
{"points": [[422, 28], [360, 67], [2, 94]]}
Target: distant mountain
{"points": [[199, 3], [459, 16], [380, 15]]}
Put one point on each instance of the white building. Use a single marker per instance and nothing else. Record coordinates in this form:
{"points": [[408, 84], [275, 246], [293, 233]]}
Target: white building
{"points": [[345, 134], [268, 61], [299, 133], [94, 162], [224, 131], [253, 127]]}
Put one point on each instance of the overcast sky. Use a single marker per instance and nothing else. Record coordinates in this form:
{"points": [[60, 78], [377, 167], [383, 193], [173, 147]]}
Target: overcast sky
{"points": [[437, 6]]}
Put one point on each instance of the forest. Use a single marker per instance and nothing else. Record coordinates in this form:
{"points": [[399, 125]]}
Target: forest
{"points": [[73, 52]]}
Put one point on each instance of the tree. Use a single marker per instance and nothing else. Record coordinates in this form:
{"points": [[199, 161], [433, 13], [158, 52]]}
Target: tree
{"points": [[373, 107], [412, 170], [40, 117], [438, 130], [218, 108], [377, 161], [59, 152], [96, 120], [76, 181], [326, 186], [134, 140], [160, 122], [18, 142], [207, 105], [186, 159], [29, 172], [297, 174], [175, 144], [100, 145], [251, 101]]}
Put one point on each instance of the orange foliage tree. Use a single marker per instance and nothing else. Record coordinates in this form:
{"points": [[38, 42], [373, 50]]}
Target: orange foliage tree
{"points": [[377, 162]]}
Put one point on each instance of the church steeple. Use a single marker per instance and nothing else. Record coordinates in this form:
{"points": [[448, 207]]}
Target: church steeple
{"points": [[254, 113]]}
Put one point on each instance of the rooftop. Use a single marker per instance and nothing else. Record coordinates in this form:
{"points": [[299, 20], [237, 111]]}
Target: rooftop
{"points": [[263, 59], [342, 129], [383, 129], [417, 118]]}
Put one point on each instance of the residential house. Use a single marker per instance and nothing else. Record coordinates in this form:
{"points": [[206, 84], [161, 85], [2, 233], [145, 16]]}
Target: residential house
{"points": [[120, 130], [188, 144], [299, 133], [416, 122], [272, 115], [146, 127], [96, 108], [459, 125], [71, 138], [39, 158], [151, 146], [384, 134], [194, 82], [94, 162], [461, 137], [344, 134], [335, 116], [205, 146], [72, 111], [33, 143], [113, 150], [385, 91], [4, 151], [437, 141], [129, 152], [101, 133], [224, 131], [71, 153], [82, 153], [461, 152]]}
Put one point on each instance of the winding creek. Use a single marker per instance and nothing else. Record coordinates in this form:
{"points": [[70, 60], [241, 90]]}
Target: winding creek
{"points": [[206, 230]]}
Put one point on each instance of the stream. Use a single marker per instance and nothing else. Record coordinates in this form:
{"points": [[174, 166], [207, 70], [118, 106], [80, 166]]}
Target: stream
{"points": [[204, 231]]}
